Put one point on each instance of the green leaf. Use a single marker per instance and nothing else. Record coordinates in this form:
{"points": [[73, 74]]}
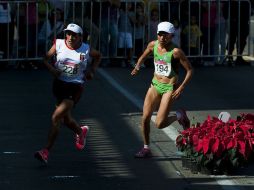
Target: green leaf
{"points": [[206, 162], [218, 162], [235, 162], [232, 153], [196, 154], [210, 156]]}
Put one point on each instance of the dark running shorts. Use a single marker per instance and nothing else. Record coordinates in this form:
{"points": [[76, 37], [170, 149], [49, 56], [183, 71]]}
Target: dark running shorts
{"points": [[66, 90]]}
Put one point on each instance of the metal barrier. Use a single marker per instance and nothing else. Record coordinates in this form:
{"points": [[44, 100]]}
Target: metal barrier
{"points": [[25, 32], [224, 29]]}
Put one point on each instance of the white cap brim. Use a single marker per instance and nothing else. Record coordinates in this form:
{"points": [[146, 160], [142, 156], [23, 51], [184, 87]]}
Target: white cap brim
{"points": [[74, 28]]}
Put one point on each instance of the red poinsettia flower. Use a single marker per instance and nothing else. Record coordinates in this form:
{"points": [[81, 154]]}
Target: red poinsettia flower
{"points": [[218, 138]]}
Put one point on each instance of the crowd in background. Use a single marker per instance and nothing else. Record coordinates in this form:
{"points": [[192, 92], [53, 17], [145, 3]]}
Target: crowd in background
{"points": [[207, 31]]}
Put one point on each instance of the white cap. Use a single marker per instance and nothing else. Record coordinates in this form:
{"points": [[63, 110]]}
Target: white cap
{"points": [[74, 28], [166, 27]]}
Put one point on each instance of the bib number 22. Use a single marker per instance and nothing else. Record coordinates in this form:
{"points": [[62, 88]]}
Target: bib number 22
{"points": [[70, 70]]}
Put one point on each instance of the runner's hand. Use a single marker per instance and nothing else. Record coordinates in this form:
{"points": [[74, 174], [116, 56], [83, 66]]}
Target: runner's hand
{"points": [[134, 71], [56, 73], [177, 93], [89, 75]]}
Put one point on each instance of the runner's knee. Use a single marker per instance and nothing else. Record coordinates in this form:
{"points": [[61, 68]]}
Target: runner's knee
{"points": [[146, 120], [68, 121], [55, 119], [159, 124]]}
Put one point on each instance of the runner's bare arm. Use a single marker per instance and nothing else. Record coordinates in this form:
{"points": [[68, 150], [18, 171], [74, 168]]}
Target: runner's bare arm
{"points": [[96, 58], [146, 53], [47, 57], [179, 54], [96, 55]]}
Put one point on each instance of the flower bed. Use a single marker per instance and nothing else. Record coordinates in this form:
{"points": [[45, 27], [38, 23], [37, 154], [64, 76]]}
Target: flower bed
{"points": [[219, 146]]}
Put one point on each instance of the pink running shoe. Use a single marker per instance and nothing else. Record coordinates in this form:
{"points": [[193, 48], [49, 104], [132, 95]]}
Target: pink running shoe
{"points": [[42, 155], [81, 139], [144, 153], [184, 120]]}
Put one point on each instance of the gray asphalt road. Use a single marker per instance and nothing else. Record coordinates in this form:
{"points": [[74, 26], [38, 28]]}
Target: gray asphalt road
{"points": [[27, 102]]}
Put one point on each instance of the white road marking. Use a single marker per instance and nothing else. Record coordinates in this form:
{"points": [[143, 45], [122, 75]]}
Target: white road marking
{"points": [[226, 184], [171, 132], [137, 102], [64, 177], [11, 152]]}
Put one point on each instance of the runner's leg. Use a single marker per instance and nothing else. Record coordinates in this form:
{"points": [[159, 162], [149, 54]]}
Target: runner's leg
{"points": [[62, 109], [70, 122], [162, 119], [151, 102]]}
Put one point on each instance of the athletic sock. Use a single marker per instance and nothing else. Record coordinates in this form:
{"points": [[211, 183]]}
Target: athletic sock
{"points": [[146, 146]]}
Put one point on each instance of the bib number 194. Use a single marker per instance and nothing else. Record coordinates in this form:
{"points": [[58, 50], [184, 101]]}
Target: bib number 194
{"points": [[162, 69]]}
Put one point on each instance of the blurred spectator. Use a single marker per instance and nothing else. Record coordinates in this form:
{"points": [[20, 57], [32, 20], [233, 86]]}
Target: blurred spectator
{"points": [[59, 5], [93, 30], [154, 21], [6, 32], [51, 29], [208, 16], [43, 37], [190, 8], [57, 24], [192, 36], [238, 29], [44, 8], [176, 39], [220, 34], [62, 5], [80, 12], [109, 28], [30, 22], [174, 9], [27, 30], [125, 27], [139, 29]]}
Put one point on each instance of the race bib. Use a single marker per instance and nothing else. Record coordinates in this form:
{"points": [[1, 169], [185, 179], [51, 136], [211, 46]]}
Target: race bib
{"points": [[162, 69], [69, 69]]}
